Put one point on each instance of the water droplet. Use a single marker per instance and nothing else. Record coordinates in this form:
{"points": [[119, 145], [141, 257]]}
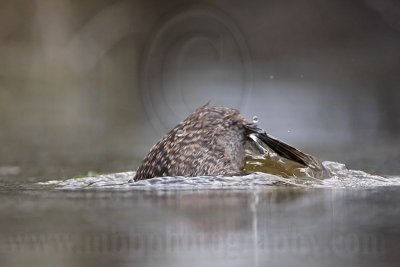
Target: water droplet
{"points": [[288, 131], [255, 119], [271, 77], [179, 133]]}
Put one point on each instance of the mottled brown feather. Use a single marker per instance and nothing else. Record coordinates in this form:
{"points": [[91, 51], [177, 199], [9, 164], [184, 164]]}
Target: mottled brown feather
{"points": [[210, 141]]}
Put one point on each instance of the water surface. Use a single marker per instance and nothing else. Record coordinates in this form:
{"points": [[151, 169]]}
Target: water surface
{"points": [[350, 219]]}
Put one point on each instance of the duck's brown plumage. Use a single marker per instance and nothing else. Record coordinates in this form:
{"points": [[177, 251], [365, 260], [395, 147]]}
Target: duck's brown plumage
{"points": [[211, 141]]}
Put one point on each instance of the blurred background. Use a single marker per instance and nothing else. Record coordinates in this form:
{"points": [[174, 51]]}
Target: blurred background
{"points": [[92, 85]]}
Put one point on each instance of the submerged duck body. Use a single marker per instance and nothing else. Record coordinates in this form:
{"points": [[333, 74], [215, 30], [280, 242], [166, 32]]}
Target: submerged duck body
{"points": [[213, 141]]}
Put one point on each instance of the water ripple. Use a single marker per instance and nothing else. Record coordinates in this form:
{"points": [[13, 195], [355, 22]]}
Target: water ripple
{"points": [[341, 177]]}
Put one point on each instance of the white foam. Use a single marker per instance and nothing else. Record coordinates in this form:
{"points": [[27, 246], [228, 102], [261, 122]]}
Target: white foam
{"points": [[341, 177]]}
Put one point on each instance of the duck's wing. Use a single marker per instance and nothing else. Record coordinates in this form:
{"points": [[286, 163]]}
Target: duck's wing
{"points": [[282, 149]]}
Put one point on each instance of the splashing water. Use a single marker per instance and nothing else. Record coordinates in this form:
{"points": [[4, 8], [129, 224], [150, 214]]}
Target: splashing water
{"points": [[341, 177], [179, 133]]}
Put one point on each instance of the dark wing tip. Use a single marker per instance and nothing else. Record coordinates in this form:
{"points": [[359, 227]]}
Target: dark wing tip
{"points": [[281, 148]]}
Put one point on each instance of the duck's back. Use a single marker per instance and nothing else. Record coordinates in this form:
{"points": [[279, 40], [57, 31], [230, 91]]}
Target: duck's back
{"points": [[208, 142]]}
